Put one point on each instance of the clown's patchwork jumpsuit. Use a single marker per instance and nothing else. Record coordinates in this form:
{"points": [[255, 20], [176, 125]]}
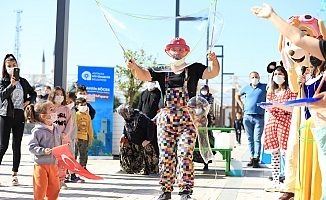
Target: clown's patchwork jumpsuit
{"points": [[176, 138]]}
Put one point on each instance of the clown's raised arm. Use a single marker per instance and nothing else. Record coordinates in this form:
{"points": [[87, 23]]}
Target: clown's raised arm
{"points": [[177, 50], [295, 35]]}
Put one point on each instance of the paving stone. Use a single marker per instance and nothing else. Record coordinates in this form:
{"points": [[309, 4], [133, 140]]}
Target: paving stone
{"points": [[209, 185]]}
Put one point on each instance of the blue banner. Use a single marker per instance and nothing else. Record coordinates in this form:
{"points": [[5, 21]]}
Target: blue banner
{"points": [[99, 82]]}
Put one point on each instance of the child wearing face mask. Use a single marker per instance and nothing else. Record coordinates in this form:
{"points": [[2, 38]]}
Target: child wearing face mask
{"points": [[204, 92], [85, 134], [64, 122], [277, 128], [71, 98], [45, 136], [39, 93], [81, 92]]}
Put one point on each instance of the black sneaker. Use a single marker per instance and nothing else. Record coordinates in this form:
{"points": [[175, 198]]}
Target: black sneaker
{"points": [[68, 179], [282, 179], [205, 167], [73, 177], [249, 164], [255, 163], [165, 196], [185, 196]]}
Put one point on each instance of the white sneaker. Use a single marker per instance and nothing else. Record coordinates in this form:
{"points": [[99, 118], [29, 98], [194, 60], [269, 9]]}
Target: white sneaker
{"points": [[275, 187], [282, 188], [14, 181], [63, 185]]}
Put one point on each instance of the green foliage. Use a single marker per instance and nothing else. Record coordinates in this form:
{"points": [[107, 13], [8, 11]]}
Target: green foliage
{"points": [[125, 81], [136, 100], [116, 102]]}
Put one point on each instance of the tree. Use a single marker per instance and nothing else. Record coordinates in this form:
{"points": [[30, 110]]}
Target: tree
{"points": [[116, 102], [136, 100], [126, 82]]}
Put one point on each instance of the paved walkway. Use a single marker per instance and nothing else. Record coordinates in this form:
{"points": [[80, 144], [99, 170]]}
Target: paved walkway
{"points": [[211, 185]]}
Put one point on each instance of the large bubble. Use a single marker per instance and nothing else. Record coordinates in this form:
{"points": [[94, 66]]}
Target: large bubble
{"points": [[198, 109], [201, 29], [321, 13]]}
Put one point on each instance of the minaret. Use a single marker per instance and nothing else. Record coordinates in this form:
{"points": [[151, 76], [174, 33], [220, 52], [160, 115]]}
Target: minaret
{"points": [[53, 57], [43, 64]]}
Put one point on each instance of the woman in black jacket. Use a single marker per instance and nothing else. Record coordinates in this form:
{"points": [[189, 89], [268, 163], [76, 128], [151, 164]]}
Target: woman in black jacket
{"points": [[137, 152], [15, 96]]}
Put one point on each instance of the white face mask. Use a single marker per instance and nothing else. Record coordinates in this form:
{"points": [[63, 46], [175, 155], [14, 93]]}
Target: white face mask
{"points": [[71, 105], [177, 62], [10, 70], [58, 99], [278, 79], [198, 111], [204, 92], [150, 85], [255, 81], [81, 95], [39, 93], [82, 108], [53, 117]]}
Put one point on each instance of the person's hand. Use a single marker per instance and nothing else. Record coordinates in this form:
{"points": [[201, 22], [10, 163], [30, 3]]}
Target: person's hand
{"points": [[301, 79], [321, 103], [263, 12], [90, 142], [131, 64], [145, 143], [211, 56], [26, 103], [122, 137], [76, 140], [13, 81], [47, 151]]}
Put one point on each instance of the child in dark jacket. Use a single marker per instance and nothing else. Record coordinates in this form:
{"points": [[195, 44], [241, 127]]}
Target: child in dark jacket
{"points": [[45, 136], [238, 126]]}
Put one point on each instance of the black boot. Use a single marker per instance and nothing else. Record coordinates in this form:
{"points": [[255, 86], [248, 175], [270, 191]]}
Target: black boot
{"points": [[255, 163], [249, 164]]}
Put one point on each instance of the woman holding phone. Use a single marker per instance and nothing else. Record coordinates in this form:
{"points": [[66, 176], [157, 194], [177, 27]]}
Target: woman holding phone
{"points": [[13, 92]]}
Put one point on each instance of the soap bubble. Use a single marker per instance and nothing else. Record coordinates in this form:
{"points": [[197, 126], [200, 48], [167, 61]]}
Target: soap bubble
{"points": [[198, 109], [201, 30]]}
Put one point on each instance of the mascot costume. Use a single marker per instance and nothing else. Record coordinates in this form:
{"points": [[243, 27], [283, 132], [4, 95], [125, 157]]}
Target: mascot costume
{"points": [[302, 171]]}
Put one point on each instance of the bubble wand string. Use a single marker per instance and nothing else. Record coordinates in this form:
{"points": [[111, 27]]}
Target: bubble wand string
{"points": [[147, 17], [115, 35], [211, 46]]}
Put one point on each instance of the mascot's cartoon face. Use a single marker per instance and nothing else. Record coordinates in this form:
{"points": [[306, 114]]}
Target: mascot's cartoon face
{"points": [[292, 54]]}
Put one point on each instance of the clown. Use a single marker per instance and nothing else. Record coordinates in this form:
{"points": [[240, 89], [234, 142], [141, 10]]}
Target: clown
{"points": [[176, 130], [305, 38]]}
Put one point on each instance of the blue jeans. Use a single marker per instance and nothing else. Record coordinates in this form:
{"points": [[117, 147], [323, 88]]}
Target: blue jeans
{"points": [[282, 164], [254, 126]]}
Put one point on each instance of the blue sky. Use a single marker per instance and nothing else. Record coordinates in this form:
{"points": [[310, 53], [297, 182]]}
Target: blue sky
{"points": [[249, 43]]}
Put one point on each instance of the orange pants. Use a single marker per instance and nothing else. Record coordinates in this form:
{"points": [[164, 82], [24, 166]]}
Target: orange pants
{"points": [[46, 182]]}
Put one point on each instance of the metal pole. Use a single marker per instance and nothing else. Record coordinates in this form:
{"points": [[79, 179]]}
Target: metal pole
{"points": [[221, 108], [61, 43], [177, 14], [207, 47]]}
